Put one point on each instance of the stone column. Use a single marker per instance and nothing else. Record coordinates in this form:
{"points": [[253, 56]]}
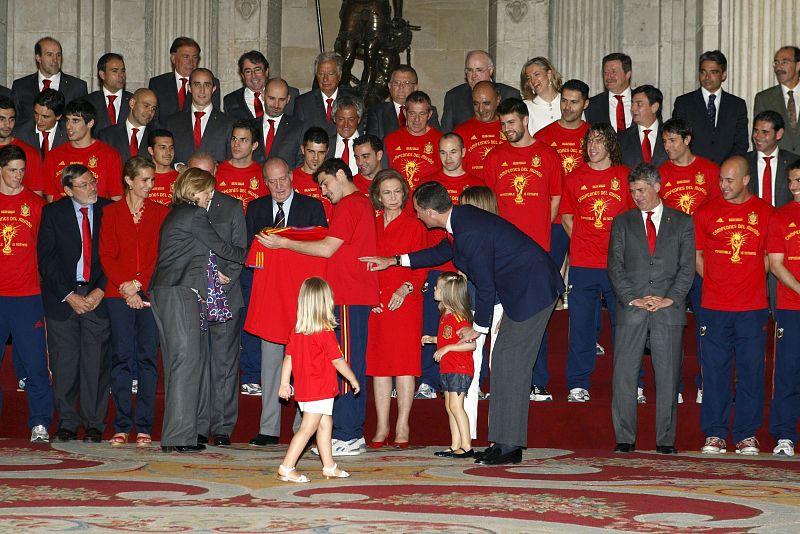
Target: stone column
{"points": [[518, 31], [197, 19]]}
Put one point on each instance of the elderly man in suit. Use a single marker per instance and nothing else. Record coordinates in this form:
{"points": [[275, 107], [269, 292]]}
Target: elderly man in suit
{"points": [[718, 118], [642, 142], [651, 268], [614, 104], [281, 132], [111, 100], [250, 101], [282, 207], [47, 52], [201, 127], [386, 117], [504, 264], [347, 114], [315, 108], [768, 163], [782, 98], [73, 286], [129, 137]]}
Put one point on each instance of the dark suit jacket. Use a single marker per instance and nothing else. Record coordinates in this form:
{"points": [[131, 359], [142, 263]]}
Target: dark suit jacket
{"points": [[772, 98], [306, 211], [288, 138], [59, 248], [669, 272], [458, 104], [227, 217], [27, 132], [310, 109], [382, 120], [185, 239], [25, 90], [631, 147], [98, 100], [500, 260], [782, 193], [5, 91], [597, 111], [730, 136], [236, 107], [216, 138], [166, 90], [117, 137]]}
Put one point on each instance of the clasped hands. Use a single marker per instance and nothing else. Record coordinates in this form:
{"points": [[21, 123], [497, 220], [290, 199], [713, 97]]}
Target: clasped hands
{"points": [[652, 303]]}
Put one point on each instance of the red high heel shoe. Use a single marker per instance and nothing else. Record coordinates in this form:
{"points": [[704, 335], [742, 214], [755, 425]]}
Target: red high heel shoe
{"points": [[378, 444], [400, 444]]}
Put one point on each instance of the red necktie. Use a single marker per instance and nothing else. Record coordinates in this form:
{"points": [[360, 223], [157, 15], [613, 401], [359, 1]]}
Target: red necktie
{"points": [[620, 114], [112, 112], [328, 110], [198, 133], [650, 226], [346, 151], [257, 105], [270, 137], [86, 237], [766, 180], [182, 93], [134, 142], [46, 84], [45, 143], [401, 117], [647, 149]]}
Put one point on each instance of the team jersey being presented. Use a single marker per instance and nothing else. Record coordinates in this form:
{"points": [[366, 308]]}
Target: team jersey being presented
{"points": [[20, 215], [686, 188], [594, 198], [243, 184], [413, 156], [164, 184], [353, 222], [524, 181], [102, 160], [455, 362], [312, 365], [733, 239], [304, 183], [783, 237], [479, 139]]}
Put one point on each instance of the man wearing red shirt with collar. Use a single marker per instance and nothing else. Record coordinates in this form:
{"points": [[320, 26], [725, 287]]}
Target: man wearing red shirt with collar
{"points": [[481, 132], [161, 146], [240, 176], [33, 161], [368, 150], [411, 150]]}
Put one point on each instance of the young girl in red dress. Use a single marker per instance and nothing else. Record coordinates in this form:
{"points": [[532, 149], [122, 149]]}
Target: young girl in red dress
{"points": [[455, 359], [314, 357]]}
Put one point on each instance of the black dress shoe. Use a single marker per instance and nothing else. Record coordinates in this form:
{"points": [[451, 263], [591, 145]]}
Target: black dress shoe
{"points": [[262, 440], [447, 453], [93, 435], [481, 454], [499, 458], [202, 440], [466, 454], [63, 435], [184, 449], [221, 440], [666, 449], [625, 447]]}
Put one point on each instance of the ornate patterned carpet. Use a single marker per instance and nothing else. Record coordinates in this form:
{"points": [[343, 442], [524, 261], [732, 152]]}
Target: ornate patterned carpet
{"points": [[79, 487]]}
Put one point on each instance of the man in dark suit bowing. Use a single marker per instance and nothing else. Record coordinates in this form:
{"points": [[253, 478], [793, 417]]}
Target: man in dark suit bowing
{"points": [[47, 52], [281, 132], [282, 207], [248, 102], [718, 118], [111, 100], [642, 142], [651, 268], [503, 263], [768, 163], [129, 137], [73, 286]]}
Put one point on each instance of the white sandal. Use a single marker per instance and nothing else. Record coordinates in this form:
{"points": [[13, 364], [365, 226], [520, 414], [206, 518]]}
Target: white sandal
{"points": [[331, 472], [283, 474]]}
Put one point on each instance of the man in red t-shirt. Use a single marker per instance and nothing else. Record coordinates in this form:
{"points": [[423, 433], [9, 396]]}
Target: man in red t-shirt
{"points": [[102, 160], [33, 160], [368, 150], [351, 235], [593, 195], [783, 248], [687, 181], [314, 150], [161, 146], [481, 133], [412, 150], [21, 312], [240, 176], [731, 237]]}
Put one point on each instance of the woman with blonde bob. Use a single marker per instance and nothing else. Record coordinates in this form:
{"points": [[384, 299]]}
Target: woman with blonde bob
{"points": [[179, 289], [540, 83]]}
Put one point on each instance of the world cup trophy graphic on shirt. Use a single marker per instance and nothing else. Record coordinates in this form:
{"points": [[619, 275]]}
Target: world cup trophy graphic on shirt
{"points": [[9, 231], [410, 169], [520, 181], [569, 163], [736, 241], [685, 203], [598, 208]]}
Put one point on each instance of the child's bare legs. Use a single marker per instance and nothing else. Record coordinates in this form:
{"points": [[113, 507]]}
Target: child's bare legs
{"points": [[309, 425], [382, 389], [455, 440], [405, 397], [324, 432], [462, 437]]}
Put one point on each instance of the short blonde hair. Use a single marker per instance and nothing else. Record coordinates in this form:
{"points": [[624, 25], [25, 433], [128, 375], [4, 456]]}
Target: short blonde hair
{"points": [[314, 307], [479, 196], [189, 182]]}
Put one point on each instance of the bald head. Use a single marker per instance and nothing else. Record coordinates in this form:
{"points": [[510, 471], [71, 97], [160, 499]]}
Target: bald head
{"points": [[734, 175], [144, 105], [485, 100], [276, 96], [204, 161]]}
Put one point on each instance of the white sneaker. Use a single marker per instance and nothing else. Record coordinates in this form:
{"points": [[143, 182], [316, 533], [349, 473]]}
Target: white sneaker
{"points": [[425, 392], [352, 447], [39, 434], [599, 350], [785, 447], [680, 398], [540, 394], [640, 398], [134, 387], [699, 396], [251, 389], [578, 395]]}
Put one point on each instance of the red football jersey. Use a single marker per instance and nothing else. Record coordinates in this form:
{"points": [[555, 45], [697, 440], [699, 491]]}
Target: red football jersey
{"points": [[413, 156], [783, 237], [304, 183], [362, 183], [244, 184], [568, 143], [686, 188], [102, 160], [594, 198], [20, 215], [312, 365], [162, 190], [479, 139], [733, 238], [34, 169], [456, 362], [524, 181]]}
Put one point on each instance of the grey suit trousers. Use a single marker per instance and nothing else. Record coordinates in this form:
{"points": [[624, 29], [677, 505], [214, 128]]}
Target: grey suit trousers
{"points": [[666, 348], [221, 391], [184, 351], [271, 363]]}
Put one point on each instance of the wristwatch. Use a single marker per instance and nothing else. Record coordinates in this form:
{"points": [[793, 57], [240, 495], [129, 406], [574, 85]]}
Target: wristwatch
{"points": [[397, 260]]}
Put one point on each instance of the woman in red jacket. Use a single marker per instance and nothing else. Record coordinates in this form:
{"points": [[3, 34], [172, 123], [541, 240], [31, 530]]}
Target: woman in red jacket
{"points": [[128, 250]]}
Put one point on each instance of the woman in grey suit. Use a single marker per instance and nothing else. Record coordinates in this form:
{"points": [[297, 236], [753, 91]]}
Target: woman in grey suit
{"points": [[179, 290]]}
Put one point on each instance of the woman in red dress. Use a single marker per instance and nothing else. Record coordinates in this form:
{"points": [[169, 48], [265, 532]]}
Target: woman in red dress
{"points": [[395, 326]]}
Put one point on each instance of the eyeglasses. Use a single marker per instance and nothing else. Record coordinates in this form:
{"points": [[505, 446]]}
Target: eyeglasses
{"points": [[90, 183], [479, 70], [402, 83]]}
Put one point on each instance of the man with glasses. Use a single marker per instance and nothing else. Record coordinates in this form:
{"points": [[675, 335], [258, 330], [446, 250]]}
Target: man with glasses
{"points": [[783, 98], [387, 117], [250, 101]]}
